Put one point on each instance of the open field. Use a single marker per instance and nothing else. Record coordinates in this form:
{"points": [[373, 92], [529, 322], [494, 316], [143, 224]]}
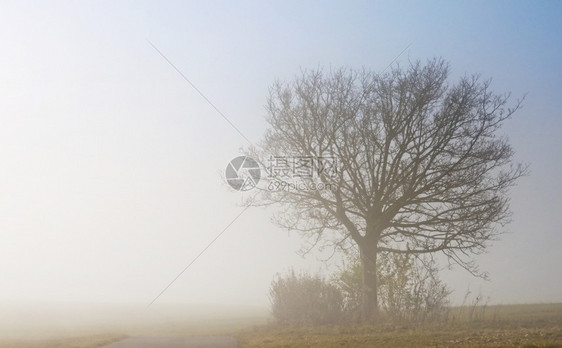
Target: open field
{"points": [[85, 326], [538, 325], [87, 341], [491, 326]]}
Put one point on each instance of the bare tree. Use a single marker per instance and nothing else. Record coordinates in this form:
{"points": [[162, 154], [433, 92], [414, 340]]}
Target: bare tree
{"points": [[421, 166]]}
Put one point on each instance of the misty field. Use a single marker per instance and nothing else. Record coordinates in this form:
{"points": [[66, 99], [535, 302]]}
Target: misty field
{"points": [[538, 325], [87, 325], [66, 342]]}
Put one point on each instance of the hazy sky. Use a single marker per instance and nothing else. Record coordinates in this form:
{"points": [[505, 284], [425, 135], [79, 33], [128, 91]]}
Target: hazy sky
{"points": [[111, 164]]}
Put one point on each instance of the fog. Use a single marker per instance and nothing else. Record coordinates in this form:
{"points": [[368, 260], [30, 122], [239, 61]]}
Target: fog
{"points": [[50, 321], [112, 164]]}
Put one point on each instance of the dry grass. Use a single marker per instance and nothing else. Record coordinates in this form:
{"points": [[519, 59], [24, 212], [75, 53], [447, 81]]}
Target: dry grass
{"points": [[491, 326], [469, 326]]}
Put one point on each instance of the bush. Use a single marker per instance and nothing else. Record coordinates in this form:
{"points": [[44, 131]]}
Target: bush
{"points": [[305, 300], [409, 289]]}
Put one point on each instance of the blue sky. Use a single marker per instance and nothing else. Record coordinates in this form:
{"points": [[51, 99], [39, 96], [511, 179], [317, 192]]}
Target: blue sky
{"points": [[110, 163]]}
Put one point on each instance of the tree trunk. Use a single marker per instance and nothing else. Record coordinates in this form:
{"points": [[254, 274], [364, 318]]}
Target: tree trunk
{"points": [[369, 303]]}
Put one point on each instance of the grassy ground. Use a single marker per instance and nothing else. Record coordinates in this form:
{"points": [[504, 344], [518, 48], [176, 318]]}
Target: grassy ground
{"points": [[491, 326], [476, 326]]}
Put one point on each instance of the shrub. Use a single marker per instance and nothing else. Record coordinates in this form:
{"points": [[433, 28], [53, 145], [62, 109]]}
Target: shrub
{"points": [[303, 299], [409, 288]]}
